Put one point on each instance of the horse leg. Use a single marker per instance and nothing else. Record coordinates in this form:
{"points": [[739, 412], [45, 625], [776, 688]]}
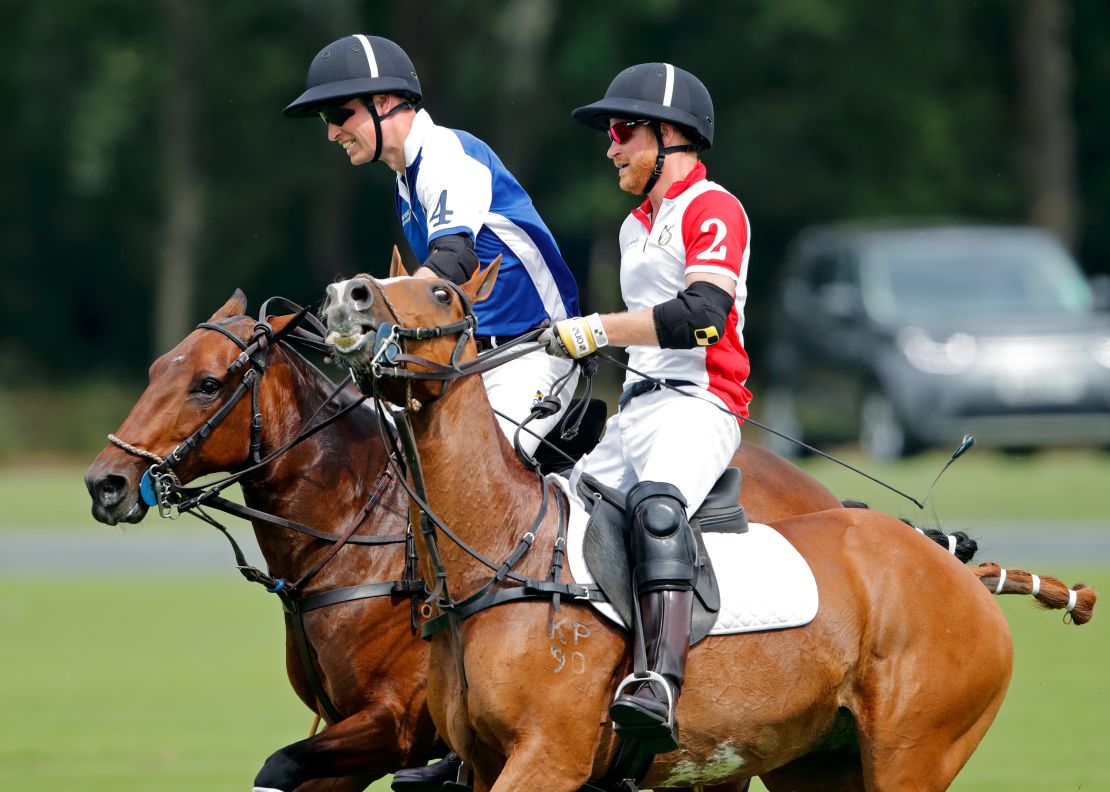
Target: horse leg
{"points": [[366, 743], [546, 764], [923, 705], [906, 756]]}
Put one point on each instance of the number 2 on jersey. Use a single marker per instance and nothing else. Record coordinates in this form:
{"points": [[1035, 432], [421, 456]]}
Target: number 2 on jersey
{"points": [[716, 251]]}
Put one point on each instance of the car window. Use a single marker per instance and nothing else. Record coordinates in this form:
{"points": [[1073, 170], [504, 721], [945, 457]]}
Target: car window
{"points": [[916, 281]]}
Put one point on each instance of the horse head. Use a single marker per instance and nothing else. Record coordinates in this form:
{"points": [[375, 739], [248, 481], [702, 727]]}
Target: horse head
{"points": [[405, 335], [187, 386]]}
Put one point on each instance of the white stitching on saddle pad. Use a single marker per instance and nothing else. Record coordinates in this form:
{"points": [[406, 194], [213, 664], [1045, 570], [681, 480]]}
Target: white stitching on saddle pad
{"points": [[765, 583]]}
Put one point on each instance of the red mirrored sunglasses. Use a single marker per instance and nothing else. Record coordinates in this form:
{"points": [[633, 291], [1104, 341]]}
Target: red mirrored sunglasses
{"points": [[621, 132]]}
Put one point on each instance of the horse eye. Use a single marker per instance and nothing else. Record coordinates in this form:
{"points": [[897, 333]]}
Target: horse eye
{"points": [[442, 294], [209, 386]]}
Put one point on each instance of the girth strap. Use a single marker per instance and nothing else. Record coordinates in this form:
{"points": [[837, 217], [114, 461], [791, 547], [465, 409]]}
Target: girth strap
{"points": [[295, 620]]}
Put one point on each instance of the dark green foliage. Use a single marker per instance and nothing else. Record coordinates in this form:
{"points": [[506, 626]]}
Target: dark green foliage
{"points": [[826, 110]]}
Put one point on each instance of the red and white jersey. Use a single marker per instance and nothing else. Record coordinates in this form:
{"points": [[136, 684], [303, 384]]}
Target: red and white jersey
{"points": [[700, 228]]}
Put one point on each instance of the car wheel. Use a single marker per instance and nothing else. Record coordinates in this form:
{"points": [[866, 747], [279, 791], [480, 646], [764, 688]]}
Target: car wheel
{"points": [[881, 433]]}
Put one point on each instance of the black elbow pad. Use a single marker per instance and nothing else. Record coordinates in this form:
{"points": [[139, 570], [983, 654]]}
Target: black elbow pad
{"points": [[453, 257], [696, 317]]}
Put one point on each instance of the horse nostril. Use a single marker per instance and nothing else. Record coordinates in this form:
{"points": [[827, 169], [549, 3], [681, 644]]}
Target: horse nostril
{"points": [[110, 489], [360, 294]]}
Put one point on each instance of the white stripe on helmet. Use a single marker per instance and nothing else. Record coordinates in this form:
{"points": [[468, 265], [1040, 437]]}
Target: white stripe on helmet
{"points": [[669, 89], [371, 61]]}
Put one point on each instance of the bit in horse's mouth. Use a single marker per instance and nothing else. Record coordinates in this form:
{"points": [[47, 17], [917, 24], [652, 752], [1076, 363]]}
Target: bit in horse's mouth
{"points": [[349, 340]]}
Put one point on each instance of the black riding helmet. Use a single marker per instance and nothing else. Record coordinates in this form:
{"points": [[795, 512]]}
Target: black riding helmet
{"points": [[356, 66], [656, 92]]}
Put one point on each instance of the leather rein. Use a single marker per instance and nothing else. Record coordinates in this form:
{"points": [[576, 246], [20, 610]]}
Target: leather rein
{"points": [[161, 487], [390, 359]]}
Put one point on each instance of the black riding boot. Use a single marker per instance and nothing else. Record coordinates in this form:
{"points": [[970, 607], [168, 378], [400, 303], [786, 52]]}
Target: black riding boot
{"points": [[641, 711], [429, 778]]}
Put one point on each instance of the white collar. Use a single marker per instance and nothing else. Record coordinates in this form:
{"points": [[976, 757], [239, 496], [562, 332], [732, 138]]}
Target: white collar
{"points": [[422, 125]]}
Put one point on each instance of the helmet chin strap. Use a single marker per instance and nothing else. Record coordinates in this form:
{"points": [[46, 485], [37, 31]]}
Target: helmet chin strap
{"points": [[661, 155], [369, 102]]}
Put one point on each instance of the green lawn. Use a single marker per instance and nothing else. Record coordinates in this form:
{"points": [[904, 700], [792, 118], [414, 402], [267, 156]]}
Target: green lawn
{"points": [[1060, 484], [177, 683]]}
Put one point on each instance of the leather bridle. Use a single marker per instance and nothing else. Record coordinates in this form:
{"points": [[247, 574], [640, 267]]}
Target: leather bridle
{"points": [[160, 486]]}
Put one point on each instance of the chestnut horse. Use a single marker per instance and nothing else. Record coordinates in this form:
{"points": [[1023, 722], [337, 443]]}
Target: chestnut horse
{"points": [[890, 687], [366, 656]]}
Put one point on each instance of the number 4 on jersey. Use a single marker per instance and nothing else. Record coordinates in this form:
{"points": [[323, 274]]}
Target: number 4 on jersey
{"points": [[441, 214]]}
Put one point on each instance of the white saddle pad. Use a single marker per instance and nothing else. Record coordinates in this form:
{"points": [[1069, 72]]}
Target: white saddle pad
{"points": [[765, 583]]}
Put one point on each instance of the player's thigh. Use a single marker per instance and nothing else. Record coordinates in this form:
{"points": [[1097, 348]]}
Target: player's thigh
{"points": [[679, 440]]}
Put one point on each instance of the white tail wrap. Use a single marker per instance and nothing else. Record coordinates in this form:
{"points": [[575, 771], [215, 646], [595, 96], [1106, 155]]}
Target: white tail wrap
{"points": [[952, 545], [1001, 580], [1071, 600], [1036, 585]]}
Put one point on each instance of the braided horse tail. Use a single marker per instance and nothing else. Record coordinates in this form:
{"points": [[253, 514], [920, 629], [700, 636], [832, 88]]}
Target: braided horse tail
{"points": [[1052, 594]]}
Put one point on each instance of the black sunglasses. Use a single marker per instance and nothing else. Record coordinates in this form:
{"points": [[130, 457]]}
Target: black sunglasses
{"points": [[336, 114]]}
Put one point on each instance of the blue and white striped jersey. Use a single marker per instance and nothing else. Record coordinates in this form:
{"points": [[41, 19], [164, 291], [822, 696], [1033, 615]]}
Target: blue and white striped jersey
{"points": [[460, 186]]}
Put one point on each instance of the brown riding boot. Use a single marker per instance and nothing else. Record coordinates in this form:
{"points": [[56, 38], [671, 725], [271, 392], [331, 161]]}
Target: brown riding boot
{"points": [[642, 711]]}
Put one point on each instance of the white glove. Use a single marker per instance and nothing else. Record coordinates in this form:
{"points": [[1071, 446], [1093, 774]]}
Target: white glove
{"points": [[575, 338]]}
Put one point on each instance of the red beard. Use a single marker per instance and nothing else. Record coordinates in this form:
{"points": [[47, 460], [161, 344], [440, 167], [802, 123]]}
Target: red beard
{"points": [[640, 167]]}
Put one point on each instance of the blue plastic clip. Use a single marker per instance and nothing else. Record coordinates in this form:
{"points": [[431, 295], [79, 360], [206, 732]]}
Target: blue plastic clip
{"points": [[146, 489]]}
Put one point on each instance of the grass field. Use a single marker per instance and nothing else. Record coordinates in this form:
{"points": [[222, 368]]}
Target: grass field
{"points": [[176, 682]]}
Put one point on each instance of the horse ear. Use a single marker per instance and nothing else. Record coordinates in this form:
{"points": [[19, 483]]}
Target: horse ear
{"points": [[481, 282], [236, 306], [396, 266], [278, 323]]}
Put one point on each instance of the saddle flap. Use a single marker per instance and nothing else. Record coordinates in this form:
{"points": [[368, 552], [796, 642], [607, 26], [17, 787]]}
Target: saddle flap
{"points": [[606, 553]]}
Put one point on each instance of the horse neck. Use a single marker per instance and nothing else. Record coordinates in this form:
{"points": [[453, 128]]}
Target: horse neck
{"points": [[476, 485], [322, 482]]}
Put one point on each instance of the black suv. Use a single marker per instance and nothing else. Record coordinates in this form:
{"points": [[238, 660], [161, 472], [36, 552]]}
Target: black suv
{"points": [[905, 337]]}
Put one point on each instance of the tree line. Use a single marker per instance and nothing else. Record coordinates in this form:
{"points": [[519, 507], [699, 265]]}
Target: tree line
{"points": [[149, 172]]}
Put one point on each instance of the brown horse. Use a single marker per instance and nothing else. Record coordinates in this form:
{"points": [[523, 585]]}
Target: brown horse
{"points": [[891, 686], [370, 664]]}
